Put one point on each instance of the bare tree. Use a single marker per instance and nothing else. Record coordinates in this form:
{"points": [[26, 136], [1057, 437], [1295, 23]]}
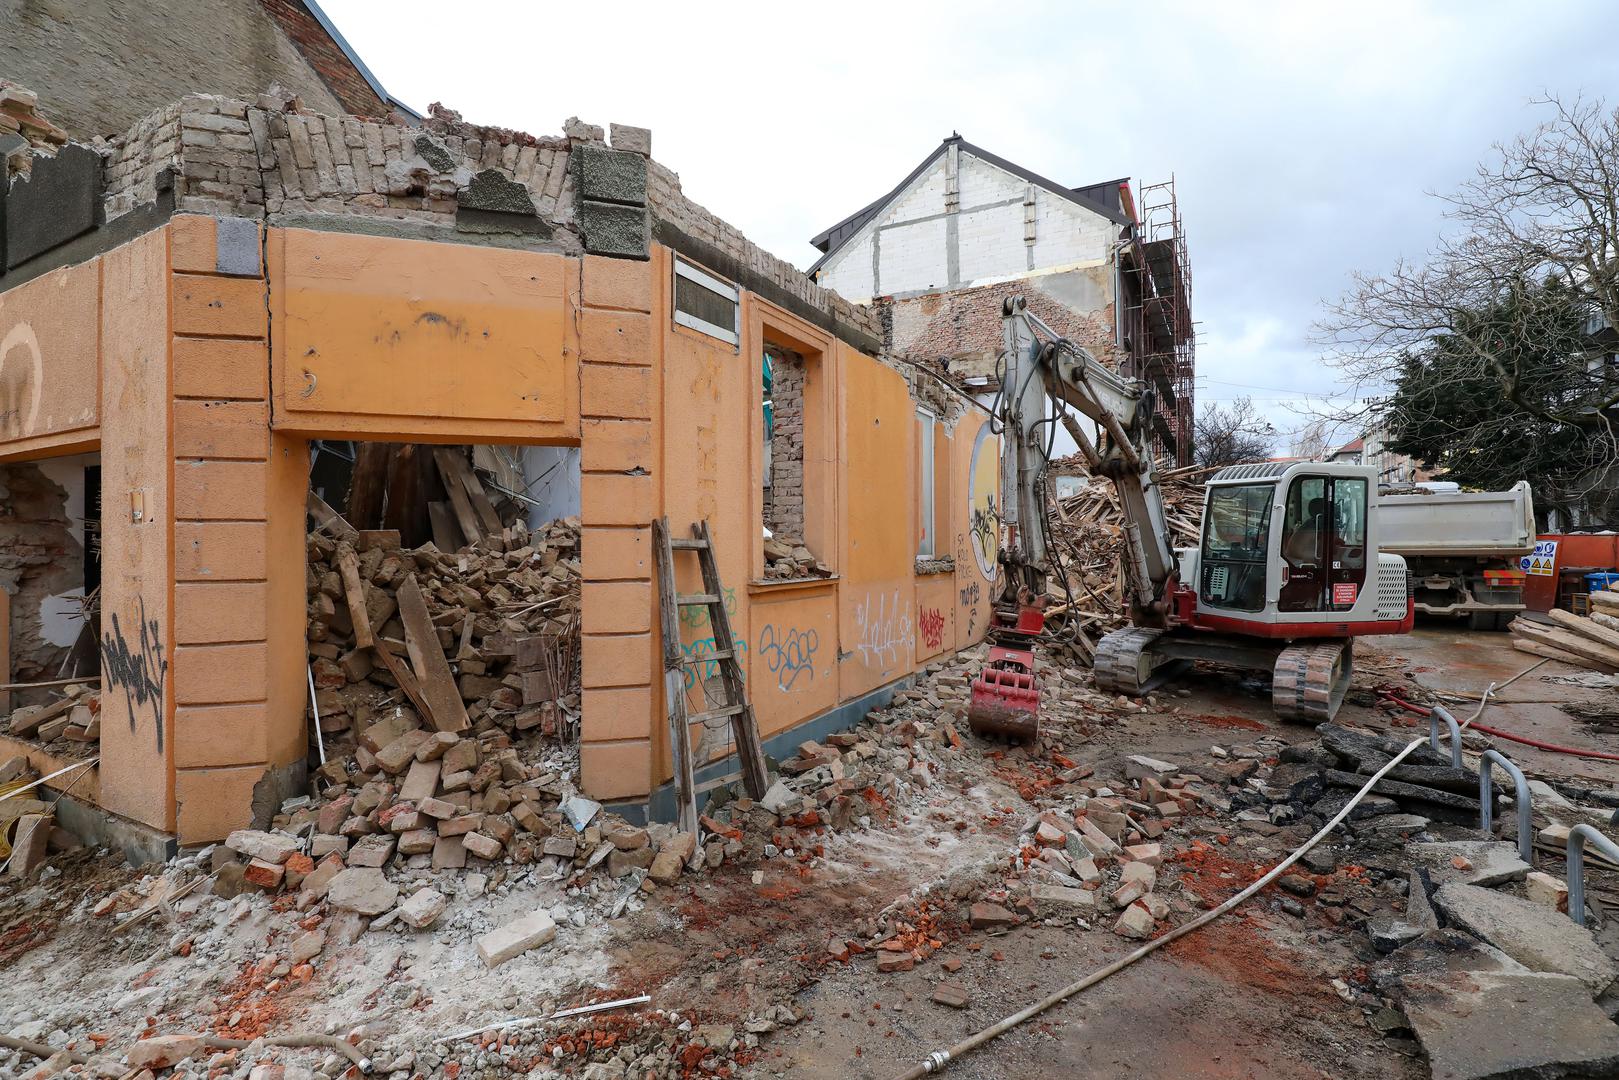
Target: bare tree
{"points": [[1231, 435], [1316, 439], [1487, 317]]}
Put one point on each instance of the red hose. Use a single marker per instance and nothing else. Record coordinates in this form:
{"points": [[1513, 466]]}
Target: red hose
{"points": [[1389, 695]]}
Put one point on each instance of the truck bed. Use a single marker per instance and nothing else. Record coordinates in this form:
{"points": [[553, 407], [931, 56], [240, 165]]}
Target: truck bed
{"points": [[1479, 524]]}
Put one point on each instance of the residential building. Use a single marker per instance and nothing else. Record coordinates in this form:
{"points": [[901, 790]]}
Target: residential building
{"points": [[231, 282], [938, 254]]}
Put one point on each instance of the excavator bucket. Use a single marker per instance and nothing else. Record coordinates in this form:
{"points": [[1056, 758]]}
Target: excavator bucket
{"points": [[1006, 696]]}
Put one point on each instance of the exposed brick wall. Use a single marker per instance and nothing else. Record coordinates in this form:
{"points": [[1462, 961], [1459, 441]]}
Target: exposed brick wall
{"points": [[785, 515], [340, 75], [40, 557], [964, 327]]}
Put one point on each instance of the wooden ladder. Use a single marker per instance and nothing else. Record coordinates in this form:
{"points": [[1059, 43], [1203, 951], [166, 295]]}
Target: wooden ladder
{"points": [[749, 749]]}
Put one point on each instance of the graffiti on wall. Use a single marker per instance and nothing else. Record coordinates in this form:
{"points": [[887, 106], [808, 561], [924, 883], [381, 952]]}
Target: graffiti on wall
{"points": [[708, 669], [696, 618], [884, 630], [139, 672], [983, 517], [789, 653], [930, 624]]}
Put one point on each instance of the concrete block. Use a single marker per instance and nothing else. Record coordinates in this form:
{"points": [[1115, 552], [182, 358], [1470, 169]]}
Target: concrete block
{"points": [[516, 938], [1536, 936]]}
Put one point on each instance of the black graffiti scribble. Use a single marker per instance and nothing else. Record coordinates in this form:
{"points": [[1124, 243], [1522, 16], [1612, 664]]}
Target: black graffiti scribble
{"points": [[970, 594], [986, 524], [141, 673]]}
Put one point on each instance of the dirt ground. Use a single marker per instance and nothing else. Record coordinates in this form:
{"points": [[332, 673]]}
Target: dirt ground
{"points": [[752, 951]]}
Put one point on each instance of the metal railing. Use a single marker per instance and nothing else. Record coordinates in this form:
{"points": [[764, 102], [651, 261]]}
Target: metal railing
{"points": [[1486, 796], [1439, 713], [1578, 837]]}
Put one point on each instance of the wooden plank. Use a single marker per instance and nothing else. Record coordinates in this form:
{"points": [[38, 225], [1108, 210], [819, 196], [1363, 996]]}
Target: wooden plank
{"points": [[407, 682], [446, 533], [368, 484], [432, 670], [328, 519], [465, 517], [1537, 649], [674, 679], [1566, 641], [82, 680], [407, 502], [749, 748], [1589, 627], [348, 568], [477, 497]]}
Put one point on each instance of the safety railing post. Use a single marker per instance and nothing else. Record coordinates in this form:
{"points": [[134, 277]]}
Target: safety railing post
{"points": [[1486, 796], [1578, 837], [1441, 713]]}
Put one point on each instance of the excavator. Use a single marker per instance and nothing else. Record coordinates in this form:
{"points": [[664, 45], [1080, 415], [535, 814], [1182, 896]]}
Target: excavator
{"points": [[1286, 576]]}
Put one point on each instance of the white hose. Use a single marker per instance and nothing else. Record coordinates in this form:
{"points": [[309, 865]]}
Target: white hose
{"points": [[936, 1061]]}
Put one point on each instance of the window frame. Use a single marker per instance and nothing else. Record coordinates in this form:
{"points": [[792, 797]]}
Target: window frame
{"points": [[927, 543], [702, 278]]}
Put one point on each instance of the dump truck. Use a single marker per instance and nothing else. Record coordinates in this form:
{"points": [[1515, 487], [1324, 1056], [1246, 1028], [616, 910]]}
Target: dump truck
{"points": [[1462, 548]]}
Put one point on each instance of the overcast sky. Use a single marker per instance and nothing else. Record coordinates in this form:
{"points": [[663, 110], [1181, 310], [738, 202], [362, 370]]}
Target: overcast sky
{"points": [[1302, 143]]}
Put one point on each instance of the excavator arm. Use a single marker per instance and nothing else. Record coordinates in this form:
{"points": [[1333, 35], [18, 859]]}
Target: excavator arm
{"points": [[1045, 374]]}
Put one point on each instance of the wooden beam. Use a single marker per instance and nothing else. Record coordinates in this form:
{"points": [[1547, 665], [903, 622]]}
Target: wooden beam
{"points": [[368, 484], [432, 670], [348, 568], [82, 680], [1589, 627], [460, 504]]}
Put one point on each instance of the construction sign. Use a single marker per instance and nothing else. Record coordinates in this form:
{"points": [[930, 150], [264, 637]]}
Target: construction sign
{"points": [[1542, 562]]}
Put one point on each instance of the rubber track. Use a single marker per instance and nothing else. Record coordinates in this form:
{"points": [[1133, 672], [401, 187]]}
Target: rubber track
{"points": [[1302, 686]]}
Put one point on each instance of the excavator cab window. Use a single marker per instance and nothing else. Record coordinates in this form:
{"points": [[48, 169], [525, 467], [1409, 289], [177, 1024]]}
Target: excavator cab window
{"points": [[1236, 539], [1323, 544]]}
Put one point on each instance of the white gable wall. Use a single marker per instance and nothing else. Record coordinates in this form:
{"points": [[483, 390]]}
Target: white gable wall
{"points": [[913, 245]]}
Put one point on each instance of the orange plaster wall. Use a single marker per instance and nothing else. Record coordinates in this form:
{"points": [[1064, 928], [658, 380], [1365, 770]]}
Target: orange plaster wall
{"points": [[876, 601], [973, 550], [377, 337], [137, 744], [50, 376]]}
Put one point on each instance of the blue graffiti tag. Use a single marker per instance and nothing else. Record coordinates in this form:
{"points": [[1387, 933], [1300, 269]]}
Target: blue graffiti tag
{"points": [[789, 653], [701, 648]]}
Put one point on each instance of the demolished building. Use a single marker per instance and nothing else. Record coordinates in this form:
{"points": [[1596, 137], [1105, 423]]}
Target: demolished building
{"points": [[190, 310]]}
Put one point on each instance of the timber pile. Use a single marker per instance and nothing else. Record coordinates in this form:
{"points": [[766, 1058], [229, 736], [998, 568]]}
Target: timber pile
{"points": [[1590, 641], [1088, 532]]}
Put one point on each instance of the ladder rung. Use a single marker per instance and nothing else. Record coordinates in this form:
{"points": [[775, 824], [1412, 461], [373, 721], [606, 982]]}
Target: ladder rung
{"points": [[696, 599], [715, 714], [689, 545], [717, 654]]}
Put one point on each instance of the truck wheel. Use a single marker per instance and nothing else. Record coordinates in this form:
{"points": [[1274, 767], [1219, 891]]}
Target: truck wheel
{"points": [[1481, 620]]}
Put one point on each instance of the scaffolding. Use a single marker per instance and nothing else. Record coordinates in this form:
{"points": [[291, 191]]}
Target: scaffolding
{"points": [[1160, 344]]}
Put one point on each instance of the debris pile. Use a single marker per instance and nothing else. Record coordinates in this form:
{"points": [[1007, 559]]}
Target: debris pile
{"points": [[786, 558], [70, 725], [486, 638], [1088, 534], [1589, 641], [20, 116]]}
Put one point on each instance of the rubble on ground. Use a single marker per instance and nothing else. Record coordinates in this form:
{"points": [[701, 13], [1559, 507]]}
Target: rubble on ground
{"points": [[786, 559], [68, 725]]}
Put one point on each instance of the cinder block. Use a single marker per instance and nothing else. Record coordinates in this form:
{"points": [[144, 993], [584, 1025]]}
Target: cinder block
{"points": [[215, 735], [210, 804], [611, 660], [221, 368], [616, 607], [616, 445], [617, 554], [613, 714], [615, 391], [220, 674], [219, 306], [618, 770], [219, 551], [219, 490], [616, 499], [615, 337], [222, 429], [210, 613]]}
